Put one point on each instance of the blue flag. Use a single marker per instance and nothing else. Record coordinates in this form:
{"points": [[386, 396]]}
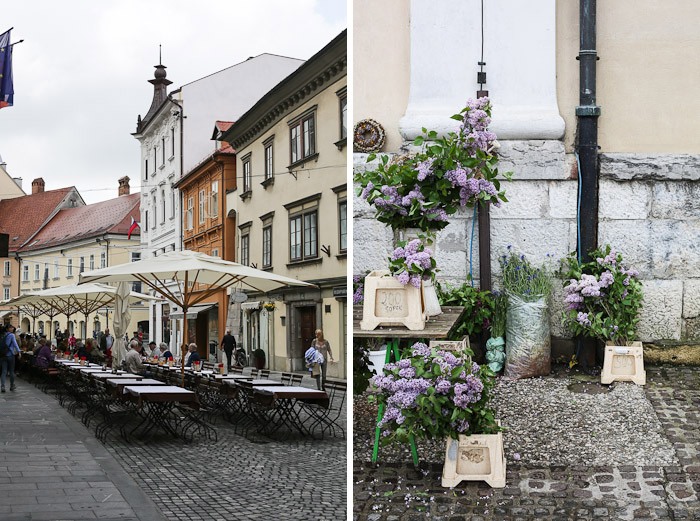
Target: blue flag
{"points": [[6, 89]]}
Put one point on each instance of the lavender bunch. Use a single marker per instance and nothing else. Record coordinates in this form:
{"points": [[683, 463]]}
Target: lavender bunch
{"points": [[412, 262]]}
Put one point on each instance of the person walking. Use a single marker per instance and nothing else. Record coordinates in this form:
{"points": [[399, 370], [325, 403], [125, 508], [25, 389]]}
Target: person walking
{"points": [[324, 347], [8, 351], [228, 345]]}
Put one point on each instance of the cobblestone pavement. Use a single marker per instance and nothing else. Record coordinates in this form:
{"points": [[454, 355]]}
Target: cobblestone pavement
{"points": [[231, 479], [399, 492]]}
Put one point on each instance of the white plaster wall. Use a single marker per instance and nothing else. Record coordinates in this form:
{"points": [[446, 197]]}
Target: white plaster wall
{"points": [[226, 95]]}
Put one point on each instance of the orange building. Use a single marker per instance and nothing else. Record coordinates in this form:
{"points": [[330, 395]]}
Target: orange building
{"points": [[207, 229]]}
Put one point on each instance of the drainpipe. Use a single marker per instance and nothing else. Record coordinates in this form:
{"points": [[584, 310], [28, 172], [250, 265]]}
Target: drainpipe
{"points": [[587, 113]]}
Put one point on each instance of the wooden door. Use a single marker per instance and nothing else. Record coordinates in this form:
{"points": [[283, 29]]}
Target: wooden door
{"points": [[307, 321]]}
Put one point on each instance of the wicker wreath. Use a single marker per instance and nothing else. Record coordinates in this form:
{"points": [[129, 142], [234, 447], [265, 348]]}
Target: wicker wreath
{"points": [[368, 136]]}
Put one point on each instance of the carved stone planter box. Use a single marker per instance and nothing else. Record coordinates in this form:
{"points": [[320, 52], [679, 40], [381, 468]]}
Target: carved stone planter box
{"points": [[459, 348], [624, 364], [478, 457], [390, 303]]}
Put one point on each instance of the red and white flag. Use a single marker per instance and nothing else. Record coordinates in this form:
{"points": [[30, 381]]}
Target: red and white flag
{"points": [[133, 226]]}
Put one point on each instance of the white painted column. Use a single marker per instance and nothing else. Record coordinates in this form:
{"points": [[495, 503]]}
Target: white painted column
{"points": [[519, 51]]}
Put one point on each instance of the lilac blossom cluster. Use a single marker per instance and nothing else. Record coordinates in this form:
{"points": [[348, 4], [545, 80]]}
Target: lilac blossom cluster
{"points": [[417, 262], [474, 131], [470, 187], [402, 387], [392, 201], [358, 296]]}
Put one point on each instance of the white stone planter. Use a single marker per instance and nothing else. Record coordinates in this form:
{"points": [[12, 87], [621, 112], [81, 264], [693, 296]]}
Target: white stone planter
{"points": [[378, 359], [431, 304], [478, 457], [390, 303], [624, 364]]}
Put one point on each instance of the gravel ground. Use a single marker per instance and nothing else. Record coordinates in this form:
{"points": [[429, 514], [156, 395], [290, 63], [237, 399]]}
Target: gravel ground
{"points": [[550, 424]]}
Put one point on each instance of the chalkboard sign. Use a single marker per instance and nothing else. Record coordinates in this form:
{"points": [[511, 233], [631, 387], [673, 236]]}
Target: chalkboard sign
{"points": [[4, 245]]}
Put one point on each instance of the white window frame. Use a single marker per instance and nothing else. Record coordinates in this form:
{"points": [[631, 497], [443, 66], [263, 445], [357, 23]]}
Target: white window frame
{"points": [[189, 224], [269, 161], [92, 261], [82, 265], [8, 268], [247, 175], [25, 273], [245, 248], [56, 269], [342, 218], [267, 246], [37, 272], [202, 208], [69, 268], [103, 259], [6, 293], [214, 203]]}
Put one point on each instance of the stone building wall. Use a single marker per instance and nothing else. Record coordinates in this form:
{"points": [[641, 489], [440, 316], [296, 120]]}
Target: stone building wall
{"points": [[649, 210]]}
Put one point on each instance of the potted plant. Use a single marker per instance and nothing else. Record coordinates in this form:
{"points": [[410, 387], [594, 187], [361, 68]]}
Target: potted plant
{"points": [[258, 358], [269, 306], [603, 299], [478, 308], [528, 342], [434, 394], [451, 172], [412, 263]]}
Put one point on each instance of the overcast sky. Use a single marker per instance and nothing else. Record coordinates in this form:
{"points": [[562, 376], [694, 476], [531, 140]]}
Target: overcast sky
{"points": [[80, 76]]}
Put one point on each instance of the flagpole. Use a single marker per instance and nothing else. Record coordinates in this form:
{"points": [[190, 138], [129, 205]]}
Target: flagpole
{"points": [[13, 44]]}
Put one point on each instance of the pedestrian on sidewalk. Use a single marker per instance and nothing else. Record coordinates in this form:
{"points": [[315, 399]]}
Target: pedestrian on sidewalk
{"points": [[228, 345], [324, 347], [8, 351]]}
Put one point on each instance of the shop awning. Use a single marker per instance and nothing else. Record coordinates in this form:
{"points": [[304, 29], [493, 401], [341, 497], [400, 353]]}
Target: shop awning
{"points": [[250, 306], [3, 314], [193, 311]]}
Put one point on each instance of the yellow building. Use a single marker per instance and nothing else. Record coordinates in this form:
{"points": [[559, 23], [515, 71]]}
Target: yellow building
{"points": [[290, 208], [74, 240]]}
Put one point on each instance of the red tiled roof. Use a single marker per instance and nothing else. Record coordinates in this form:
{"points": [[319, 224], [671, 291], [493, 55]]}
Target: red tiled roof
{"points": [[223, 126], [21, 217], [83, 222]]}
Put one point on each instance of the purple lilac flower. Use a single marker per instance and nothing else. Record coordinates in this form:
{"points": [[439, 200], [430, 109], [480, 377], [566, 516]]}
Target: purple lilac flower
{"points": [[404, 363], [367, 190], [582, 318], [398, 253], [425, 168], [359, 296], [416, 281], [403, 277], [420, 349], [443, 386], [409, 372], [606, 279], [461, 425]]}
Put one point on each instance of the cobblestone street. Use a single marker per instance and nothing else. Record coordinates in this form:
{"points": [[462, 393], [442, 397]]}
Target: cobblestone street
{"points": [[54, 469], [395, 491]]}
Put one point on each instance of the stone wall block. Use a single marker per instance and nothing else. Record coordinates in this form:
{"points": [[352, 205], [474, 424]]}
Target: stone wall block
{"points": [[628, 200], [526, 200], [632, 239], [675, 247], [678, 200], [557, 308], [535, 159], [652, 167], [563, 199], [660, 317], [691, 298], [372, 245], [452, 250], [361, 208]]}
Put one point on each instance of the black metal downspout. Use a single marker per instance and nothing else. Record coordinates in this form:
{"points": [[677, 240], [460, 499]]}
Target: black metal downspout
{"points": [[587, 148]]}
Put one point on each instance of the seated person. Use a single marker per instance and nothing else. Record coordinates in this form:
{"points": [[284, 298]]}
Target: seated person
{"points": [[44, 356], [81, 351], [193, 355], [163, 351], [94, 354], [152, 350], [133, 361]]}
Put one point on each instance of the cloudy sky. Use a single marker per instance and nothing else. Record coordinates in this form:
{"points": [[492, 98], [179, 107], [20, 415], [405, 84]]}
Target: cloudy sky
{"points": [[81, 74]]}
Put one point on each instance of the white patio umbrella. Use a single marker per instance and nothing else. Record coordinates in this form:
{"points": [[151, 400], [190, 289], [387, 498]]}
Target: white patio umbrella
{"points": [[197, 275], [72, 299], [122, 317]]}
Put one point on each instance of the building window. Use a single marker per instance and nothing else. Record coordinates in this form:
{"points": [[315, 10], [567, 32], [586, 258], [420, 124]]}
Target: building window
{"points": [[202, 206], [302, 134], [25, 273], [155, 212], [56, 270], [267, 246], [172, 201], [155, 159], [246, 175], [135, 256], [145, 170], [189, 224], [82, 264], [37, 272], [92, 262], [215, 252], [145, 220], [69, 268], [8, 269], [344, 117], [269, 171], [303, 236], [103, 260], [6, 294], [245, 249], [46, 271], [162, 150], [162, 205], [214, 205], [172, 142], [343, 226]]}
